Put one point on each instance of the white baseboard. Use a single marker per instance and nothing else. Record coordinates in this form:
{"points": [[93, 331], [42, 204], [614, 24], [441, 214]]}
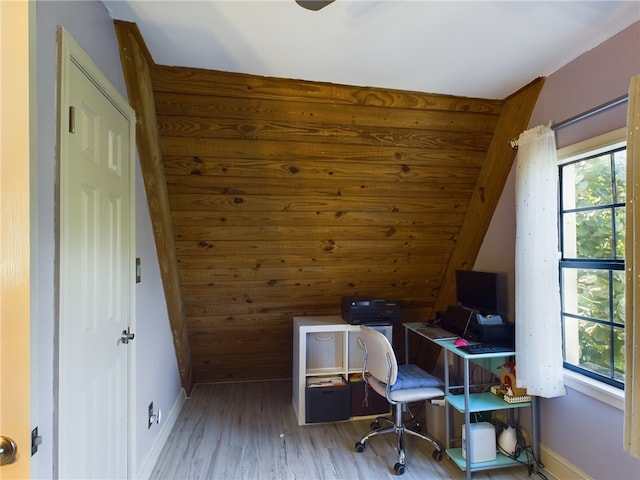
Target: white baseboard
{"points": [[152, 456], [559, 467]]}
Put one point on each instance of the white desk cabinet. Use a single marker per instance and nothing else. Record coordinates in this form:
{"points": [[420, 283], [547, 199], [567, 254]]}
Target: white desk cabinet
{"points": [[322, 346]]}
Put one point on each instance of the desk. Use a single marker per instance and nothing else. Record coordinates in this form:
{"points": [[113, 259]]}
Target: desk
{"points": [[467, 402]]}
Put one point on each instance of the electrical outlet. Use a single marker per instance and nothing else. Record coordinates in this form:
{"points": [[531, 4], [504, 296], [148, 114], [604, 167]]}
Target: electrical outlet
{"points": [[151, 416]]}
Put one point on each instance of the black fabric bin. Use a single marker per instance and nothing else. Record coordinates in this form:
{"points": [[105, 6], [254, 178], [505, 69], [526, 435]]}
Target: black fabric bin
{"points": [[328, 404], [376, 404]]}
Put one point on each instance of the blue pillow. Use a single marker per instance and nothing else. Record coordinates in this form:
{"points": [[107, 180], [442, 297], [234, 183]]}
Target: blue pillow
{"points": [[412, 376]]}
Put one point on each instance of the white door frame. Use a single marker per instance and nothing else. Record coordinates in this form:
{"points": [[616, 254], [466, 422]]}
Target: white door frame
{"points": [[70, 51]]}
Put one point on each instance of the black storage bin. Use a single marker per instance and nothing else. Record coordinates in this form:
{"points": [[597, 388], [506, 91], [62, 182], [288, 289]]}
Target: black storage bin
{"points": [[328, 404], [376, 404]]}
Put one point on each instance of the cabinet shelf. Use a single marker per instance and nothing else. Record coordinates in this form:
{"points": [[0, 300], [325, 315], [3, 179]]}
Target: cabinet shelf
{"points": [[320, 372], [328, 346], [482, 402], [501, 461]]}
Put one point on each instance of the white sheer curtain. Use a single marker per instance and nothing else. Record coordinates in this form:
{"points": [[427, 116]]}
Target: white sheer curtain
{"points": [[538, 326]]}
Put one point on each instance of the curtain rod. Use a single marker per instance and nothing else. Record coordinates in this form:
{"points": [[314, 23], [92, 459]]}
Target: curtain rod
{"points": [[581, 116]]}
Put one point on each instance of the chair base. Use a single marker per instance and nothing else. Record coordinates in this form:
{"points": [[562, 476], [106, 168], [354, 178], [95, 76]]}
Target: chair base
{"points": [[399, 427]]}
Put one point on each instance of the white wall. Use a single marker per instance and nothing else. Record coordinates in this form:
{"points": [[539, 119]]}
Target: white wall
{"points": [[585, 432], [156, 369]]}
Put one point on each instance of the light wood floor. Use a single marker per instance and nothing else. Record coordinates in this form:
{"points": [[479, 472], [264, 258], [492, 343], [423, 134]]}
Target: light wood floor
{"points": [[249, 431]]}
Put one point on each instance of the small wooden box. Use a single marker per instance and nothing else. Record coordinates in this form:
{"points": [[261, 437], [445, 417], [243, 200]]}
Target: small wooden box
{"points": [[508, 380]]}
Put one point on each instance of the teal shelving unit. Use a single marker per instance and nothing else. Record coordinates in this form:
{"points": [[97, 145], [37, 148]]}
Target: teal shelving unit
{"points": [[482, 402], [501, 461], [461, 399]]}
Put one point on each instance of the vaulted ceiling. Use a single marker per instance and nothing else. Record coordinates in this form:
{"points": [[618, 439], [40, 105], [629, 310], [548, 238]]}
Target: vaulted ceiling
{"points": [[485, 49]]}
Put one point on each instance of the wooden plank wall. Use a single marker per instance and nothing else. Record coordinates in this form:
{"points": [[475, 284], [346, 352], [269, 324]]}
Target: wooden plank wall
{"points": [[137, 65], [286, 195]]}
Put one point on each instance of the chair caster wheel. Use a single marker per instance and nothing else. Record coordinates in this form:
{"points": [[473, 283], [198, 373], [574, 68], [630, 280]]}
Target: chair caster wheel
{"points": [[374, 425], [360, 447], [399, 468], [437, 455]]}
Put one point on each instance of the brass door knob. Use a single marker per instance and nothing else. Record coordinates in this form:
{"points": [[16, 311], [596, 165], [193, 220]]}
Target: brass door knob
{"points": [[8, 450]]}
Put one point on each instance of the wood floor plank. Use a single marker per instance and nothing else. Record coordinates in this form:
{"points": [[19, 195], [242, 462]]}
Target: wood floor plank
{"points": [[248, 431]]}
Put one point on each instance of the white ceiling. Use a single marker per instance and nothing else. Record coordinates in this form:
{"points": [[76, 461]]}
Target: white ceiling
{"points": [[479, 48]]}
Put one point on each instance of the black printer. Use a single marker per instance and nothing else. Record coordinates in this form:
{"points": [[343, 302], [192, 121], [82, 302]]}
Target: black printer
{"points": [[500, 333], [362, 310]]}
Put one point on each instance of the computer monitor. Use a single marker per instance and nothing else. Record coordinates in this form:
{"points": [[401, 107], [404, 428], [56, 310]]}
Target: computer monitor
{"points": [[479, 291]]}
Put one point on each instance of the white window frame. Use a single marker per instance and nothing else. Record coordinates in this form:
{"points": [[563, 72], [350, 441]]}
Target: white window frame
{"points": [[589, 386]]}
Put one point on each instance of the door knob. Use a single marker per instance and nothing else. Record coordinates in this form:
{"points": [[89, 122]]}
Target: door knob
{"points": [[8, 450]]}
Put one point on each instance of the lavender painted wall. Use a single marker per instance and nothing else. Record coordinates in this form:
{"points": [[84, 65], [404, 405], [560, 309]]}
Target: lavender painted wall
{"points": [[90, 25], [588, 433], [584, 431], [593, 79]]}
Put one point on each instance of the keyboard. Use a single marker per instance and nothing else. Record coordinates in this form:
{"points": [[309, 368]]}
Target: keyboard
{"points": [[486, 348]]}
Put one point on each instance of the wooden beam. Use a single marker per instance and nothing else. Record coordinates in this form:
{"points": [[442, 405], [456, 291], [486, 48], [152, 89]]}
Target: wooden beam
{"points": [[137, 65], [514, 119]]}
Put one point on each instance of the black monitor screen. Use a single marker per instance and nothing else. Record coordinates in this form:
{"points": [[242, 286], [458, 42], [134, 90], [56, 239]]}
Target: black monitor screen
{"points": [[478, 290]]}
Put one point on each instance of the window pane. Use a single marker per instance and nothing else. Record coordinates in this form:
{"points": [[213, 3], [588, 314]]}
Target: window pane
{"points": [[620, 160], [571, 341], [586, 292], [618, 296], [620, 213], [587, 234], [618, 357], [587, 183], [595, 341]]}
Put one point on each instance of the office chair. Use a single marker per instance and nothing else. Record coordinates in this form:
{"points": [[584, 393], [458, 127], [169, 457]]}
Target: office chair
{"points": [[400, 385]]}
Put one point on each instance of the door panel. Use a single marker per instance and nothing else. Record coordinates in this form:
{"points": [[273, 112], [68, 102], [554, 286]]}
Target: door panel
{"points": [[14, 235], [96, 265]]}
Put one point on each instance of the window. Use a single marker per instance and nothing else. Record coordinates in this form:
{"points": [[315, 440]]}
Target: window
{"points": [[592, 275]]}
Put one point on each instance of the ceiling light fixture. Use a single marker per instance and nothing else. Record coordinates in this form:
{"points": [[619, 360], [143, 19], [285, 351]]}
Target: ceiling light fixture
{"points": [[314, 5]]}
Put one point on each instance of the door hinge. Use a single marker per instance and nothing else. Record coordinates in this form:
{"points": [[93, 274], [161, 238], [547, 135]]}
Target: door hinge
{"points": [[72, 119]]}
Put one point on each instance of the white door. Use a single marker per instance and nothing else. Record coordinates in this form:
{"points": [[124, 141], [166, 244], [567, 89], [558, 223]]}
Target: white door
{"points": [[96, 271], [14, 240]]}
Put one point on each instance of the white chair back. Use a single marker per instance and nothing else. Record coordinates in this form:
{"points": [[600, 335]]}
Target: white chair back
{"points": [[379, 358]]}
